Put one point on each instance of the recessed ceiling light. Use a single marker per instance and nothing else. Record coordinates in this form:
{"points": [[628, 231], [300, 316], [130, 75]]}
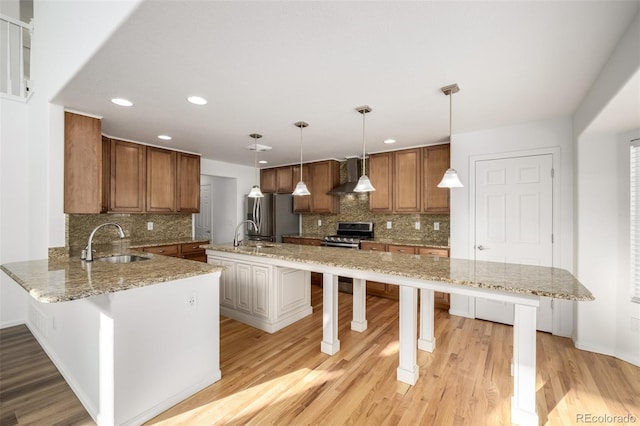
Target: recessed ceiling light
{"points": [[197, 100], [122, 102], [164, 137], [388, 141], [263, 162]]}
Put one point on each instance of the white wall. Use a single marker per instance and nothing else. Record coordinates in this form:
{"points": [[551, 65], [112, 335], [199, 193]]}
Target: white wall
{"points": [[549, 135]]}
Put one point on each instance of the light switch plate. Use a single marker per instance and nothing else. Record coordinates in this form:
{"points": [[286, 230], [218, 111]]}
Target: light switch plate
{"points": [[319, 222], [417, 226], [389, 224], [436, 226], [149, 226]]}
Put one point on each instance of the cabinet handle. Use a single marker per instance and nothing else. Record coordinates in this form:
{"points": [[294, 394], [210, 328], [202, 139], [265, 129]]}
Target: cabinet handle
{"points": [[160, 251]]}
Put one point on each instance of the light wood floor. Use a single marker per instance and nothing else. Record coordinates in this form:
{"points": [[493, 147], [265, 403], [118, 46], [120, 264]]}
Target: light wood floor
{"points": [[284, 379]]}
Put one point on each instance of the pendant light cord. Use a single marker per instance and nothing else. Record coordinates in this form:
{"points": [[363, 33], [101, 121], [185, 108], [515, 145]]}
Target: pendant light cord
{"points": [[364, 167], [450, 114], [301, 127]]}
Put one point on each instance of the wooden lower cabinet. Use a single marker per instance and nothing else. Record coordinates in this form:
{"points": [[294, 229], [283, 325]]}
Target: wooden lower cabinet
{"points": [[190, 251], [440, 300], [316, 277], [375, 288]]}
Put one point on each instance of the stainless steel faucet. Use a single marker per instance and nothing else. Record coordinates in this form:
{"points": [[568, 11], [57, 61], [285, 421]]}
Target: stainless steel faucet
{"points": [[87, 253], [236, 242]]}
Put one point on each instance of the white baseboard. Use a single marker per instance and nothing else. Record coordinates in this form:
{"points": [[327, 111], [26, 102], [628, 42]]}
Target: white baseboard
{"points": [[13, 323]]}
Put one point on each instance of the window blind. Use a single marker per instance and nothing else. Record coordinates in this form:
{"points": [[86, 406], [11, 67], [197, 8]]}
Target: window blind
{"points": [[635, 220]]}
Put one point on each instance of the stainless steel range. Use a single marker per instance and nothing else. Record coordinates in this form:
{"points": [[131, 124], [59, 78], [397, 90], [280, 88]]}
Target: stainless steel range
{"points": [[349, 235]]}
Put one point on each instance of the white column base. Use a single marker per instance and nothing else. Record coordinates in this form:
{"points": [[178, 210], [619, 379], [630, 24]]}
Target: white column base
{"points": [[359, 322], [330, 343], [409, 377], [427, 340], [522, 417]]}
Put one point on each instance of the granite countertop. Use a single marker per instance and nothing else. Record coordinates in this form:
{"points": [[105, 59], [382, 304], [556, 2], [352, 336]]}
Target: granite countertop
{"points": [[61, 279], [153, 243], [512, 278], [380, 240]]}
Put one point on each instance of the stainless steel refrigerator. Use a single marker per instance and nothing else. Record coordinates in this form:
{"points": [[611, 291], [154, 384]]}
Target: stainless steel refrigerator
{"points": [[274, 216]]}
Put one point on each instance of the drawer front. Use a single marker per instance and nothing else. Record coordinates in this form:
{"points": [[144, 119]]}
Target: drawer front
{"points": [[433, 251], [372, 246], [401, 249], [171, 250], [191, 248]]}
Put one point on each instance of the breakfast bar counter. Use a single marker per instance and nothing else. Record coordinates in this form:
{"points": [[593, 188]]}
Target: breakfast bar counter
{"points": [[521, 285]]}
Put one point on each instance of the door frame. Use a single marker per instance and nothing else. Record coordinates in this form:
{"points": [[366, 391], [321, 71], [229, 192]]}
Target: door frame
{"points": [[555, 214]]}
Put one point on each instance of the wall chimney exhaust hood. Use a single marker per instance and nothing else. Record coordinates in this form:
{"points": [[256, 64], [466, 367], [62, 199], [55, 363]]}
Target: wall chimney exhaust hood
{"points": [[354, 169]]}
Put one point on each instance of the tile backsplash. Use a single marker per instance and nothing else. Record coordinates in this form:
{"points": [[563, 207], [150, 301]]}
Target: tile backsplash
{"points": [[355, 208], [165, 227]]}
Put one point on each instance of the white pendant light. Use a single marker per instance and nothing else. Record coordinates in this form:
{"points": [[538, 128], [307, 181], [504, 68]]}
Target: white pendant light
{"points": [[255, 190], [450, 178], [364, 184], [301, 187]]}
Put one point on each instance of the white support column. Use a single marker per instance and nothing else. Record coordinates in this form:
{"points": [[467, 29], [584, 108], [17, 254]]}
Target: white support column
{"points": [[427, 340], [408, 369], [330, 343], [359, 322], [523, 402]]}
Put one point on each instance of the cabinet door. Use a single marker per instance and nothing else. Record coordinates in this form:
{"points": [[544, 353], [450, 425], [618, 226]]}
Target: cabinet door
{"points": [[302, 203], [394, 248], [325, 175], [227, 282], [260, 283], [244, 294], [83, 164], [284, 180], [435, 163], [188, 183], [367, 245], [168, 250], [161, 180], [127, 177], [407, 180], [381, 176], [268, 184], [291, 294], [432, 251]]}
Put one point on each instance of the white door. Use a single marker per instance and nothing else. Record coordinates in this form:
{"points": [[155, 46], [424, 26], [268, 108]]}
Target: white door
{"points": [[514, 223], [202, 222]]}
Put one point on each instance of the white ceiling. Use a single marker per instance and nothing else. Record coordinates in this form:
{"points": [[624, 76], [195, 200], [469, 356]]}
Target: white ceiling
{"points": [[265, 65]]}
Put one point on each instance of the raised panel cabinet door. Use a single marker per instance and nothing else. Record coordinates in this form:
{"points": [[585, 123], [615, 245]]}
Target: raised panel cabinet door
{"points": [[393, 248], [188, 183], [227, 281], [244, 295], [367, 245], [161, 180], [127, 178], [260, 289], [268, 184], [407, 186], [325, 176], [435, 163], [291, 294], [302, 203], [284, 180], [381, 176], [83, 164]]}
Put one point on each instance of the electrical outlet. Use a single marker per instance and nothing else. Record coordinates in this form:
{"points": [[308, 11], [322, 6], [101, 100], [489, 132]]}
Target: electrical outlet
{"points": [[149, 226], [417, 226], [192, 301], [389, 224], [436, 226], [319, 222]]}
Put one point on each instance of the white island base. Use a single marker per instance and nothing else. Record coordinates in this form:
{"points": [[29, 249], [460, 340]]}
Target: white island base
{"points": [[133, 354]]}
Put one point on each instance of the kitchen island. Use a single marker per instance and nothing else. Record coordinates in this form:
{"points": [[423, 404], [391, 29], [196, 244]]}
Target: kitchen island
{"points": [[130, 339], [518, 284]]}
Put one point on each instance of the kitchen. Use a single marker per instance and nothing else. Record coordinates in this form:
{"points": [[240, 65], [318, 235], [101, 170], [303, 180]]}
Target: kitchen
{"points": [[23, 233]]}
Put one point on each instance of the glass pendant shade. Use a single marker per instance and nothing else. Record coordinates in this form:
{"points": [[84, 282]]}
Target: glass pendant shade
{"points": [[255, 192], [364, 185], [301, 189], [450, 180]]}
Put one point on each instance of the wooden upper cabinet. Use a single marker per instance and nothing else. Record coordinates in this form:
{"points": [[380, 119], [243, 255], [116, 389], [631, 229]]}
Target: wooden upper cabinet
{"points": [[381, 177], [268, 183], [188, 183], [302, 203], [435, 162], [325, 175], [83, 164], [285, 180], [407, 180], [161, 180], [127, 186]]}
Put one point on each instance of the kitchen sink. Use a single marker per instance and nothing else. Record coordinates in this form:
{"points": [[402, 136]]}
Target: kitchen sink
{"points": [[122, 258]]}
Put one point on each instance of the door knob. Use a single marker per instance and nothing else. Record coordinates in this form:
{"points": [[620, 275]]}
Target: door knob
{"points": [[481, 247]]}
